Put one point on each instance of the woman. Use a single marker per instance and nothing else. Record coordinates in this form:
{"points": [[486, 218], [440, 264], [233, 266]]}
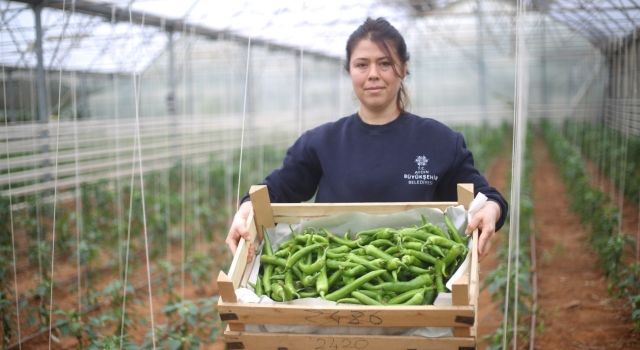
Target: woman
{"points": [[382, 153]]}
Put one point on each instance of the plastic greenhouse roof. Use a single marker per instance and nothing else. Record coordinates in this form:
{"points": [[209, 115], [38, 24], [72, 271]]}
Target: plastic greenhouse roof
{"points": [[97, 36]]}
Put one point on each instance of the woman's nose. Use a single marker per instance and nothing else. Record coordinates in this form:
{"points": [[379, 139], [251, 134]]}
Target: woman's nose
{"points": [[373, 72]]}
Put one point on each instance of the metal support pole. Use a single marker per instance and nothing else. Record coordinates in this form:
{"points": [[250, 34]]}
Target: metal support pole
{"points": [[41, 85], [41, 94], [544, 86], [482, 70], [171, 94]]}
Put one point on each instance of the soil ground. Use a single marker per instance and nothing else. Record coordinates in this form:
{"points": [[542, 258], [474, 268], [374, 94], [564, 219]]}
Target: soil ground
{"points": [[575, 308]]}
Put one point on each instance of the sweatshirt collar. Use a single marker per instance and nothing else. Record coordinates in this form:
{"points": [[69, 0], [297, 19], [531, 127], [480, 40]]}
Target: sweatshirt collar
{"points": [[377, 129]]}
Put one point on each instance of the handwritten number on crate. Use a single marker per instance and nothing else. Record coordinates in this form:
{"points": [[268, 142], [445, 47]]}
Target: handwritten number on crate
{"points": [[374, 319], [339, 344], [314, 315], [353, 317]]}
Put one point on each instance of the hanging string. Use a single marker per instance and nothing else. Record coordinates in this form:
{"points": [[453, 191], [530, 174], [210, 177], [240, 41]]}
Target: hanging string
{"points": [[55, 194], [634, 84], [128, 242], [116, 119], [183, 172], [13, 239], [301, 78], [300, 90], [136, 93], [624, 131], [519, 137], [616, 125], [244, 115], [34, 131], [79, 222]]}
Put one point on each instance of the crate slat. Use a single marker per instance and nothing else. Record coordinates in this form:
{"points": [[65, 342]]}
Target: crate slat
{"points": [[349, 315], [289, 341]]}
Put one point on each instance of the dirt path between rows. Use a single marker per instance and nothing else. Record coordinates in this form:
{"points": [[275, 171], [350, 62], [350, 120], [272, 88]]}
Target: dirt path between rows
{"points": [[575, 309]]}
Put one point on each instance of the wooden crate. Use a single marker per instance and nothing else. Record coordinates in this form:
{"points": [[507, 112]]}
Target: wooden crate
{"points": [[461, 316]]}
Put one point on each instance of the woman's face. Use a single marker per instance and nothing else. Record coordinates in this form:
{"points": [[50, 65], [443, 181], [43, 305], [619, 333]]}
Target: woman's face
{"points": [[375, 82]]}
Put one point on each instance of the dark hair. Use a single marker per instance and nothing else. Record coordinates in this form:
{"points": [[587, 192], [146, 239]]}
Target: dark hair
{"points": [[381, 32]]}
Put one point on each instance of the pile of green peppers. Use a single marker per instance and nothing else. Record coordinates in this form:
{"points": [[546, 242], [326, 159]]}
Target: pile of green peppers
{"points": [[381, 266]]}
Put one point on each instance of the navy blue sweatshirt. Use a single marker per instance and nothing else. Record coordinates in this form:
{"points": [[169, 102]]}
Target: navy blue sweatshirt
{"points": [[410, 159]]}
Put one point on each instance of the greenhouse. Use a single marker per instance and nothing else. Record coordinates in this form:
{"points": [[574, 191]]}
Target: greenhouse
{"points": [[134, 132]]}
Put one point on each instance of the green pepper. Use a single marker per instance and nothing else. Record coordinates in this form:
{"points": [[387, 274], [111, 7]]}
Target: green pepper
{"points": [[413, 245], [420, 255], [453, 231], [267, 270], [374, 251], [417, 299], [413, 233], [435, 230], [309, 280], [365, 299], [441, 241], [339, 249], [314, 267], [403, 297], [356, 271], [272, 260], [370, 293], [410, 260], [266, 278], [392, 250], [308, 293], [258, 287], [382, 242], [417, 270], [319, 239], [277, 292], [435, 250], [372, 265], [347, 289], [417, 282], [289, 288], [393, 264], [283, 253], [362, 261], [293, 259], [349, 301], [334, 277], [335, 264], [453, 253], [322, 283], [439, 268], [342, 241], [430, 295], [297, 272]]}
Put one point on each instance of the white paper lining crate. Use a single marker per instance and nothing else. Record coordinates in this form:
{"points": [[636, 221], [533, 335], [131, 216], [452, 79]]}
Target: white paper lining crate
{"points": [[461, 316]]}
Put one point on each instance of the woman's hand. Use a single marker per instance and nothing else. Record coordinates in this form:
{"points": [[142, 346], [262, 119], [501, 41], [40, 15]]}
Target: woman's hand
{"points": [[239, 228], [485, 221]]}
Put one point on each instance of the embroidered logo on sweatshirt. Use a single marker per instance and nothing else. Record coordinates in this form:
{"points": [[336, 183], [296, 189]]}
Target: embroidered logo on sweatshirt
{"points": [[421, 176]]}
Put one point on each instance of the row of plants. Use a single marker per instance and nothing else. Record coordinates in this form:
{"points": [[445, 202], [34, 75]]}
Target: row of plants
{"points": [[187, 200], [614, 248], [187, 208], [616, 154], [485, 141], [497, 280]]}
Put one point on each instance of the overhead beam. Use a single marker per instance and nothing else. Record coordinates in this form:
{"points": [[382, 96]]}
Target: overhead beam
{"points": [[118, 14]]}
